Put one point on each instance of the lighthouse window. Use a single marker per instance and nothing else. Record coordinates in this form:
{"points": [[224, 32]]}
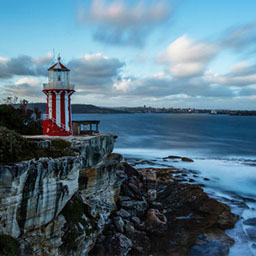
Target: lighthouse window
{"points": [[59, 79]]}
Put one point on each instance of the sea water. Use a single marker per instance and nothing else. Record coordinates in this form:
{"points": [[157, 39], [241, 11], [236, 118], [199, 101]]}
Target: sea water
{"points": [[223, 149]]}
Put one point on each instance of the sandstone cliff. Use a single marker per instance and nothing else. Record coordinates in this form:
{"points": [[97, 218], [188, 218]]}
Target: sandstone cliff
{"points": [[90, 203], [57, 206]]}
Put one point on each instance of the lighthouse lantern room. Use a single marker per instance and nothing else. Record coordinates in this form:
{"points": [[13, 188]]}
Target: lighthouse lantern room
{"points": [[57, 121]]}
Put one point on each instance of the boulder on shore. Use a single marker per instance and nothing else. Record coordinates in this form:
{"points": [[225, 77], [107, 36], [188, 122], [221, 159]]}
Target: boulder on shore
{"points": [[166, 217]]}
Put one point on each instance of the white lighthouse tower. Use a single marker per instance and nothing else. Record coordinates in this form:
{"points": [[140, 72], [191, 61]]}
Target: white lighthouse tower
{"points": [[58, 90]]}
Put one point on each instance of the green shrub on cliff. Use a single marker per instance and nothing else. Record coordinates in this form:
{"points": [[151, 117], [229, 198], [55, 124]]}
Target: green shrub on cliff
{"points": [[12, 145], [74, 212], [15, 148], [8, 245], [21, 119]]}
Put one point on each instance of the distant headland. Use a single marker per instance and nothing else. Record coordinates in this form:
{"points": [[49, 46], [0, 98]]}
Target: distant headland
{"points": [[87, 108]]}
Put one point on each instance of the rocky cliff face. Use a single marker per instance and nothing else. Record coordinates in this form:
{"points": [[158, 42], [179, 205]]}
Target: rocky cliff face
{"points": [[58, 206], [157, 215], [89, 200]]}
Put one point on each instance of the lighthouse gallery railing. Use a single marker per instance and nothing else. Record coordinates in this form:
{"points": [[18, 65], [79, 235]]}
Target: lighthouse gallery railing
{"points": [[59, 86]]}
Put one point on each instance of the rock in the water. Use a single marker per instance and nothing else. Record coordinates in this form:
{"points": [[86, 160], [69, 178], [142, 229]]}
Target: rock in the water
{"points": [[250, 222], [186, 159], [210, 249], [251, 232], [212, 245], [172, 157]]}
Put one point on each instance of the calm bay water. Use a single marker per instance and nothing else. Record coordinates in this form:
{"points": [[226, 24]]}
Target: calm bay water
{"points": [[223, 149], [193, 134]]}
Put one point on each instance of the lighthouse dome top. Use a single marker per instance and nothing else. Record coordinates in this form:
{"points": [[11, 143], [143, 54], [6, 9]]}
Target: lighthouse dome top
{"points": [[58, 78], [58, 66]]}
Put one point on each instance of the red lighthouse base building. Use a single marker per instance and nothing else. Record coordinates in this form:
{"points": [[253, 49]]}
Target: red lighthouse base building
{"points": [[58, 120]]}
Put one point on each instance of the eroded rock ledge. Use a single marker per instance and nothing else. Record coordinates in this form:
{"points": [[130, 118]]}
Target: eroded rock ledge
{"points": [[158, 216], [57, 206], [64, 206]]}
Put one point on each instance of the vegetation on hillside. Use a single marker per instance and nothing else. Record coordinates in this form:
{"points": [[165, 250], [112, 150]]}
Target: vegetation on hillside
{"points": [[21, 119], [8, 245], [15, 148]]}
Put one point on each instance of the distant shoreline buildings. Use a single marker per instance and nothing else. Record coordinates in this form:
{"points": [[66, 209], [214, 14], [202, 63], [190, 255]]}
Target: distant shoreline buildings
{"points": [[91, 109]]}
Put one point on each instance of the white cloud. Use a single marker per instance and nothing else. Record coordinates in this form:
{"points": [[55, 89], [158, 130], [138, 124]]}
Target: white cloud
{"points": [[101, 78], [119, 22], [26, 87], [232, 81], [24, 65], [95, 57], [94, 71], [241, 74], [28, 80], [186, 69], [123, 85], [185, 49], [239, 67], [119, 14], [45, 60], [160, 75], [187, 57], [3, 60], [240, 37]]}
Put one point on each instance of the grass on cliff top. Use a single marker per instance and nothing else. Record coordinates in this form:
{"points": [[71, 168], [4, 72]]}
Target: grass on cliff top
{"points": [[15, 148], [8, 245], [21, 119], [73, 213]]}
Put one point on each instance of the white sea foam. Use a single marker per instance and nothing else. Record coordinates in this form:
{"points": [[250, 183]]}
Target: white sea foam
{"points": [[231, 180], [222, 147]]}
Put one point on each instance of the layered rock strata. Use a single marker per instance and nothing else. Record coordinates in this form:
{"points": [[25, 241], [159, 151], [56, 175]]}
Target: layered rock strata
{"points": [[64, 206], [59, 206], [159, 216]]}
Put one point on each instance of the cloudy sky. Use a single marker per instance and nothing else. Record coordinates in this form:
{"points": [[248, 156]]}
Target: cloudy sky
{"points": [[162, 53]]}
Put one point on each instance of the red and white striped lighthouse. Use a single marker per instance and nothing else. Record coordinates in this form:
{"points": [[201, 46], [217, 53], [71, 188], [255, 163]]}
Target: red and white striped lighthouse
{"points": [[58, 90]]}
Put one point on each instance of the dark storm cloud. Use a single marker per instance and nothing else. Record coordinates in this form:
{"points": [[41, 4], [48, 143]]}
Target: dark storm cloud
{"points": [[119, 23], [160, 87], [90, 73], [94, 71], [239, 37], [25, 87], [248, 92], [241, 75], [27, 90], [23, 66]]}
